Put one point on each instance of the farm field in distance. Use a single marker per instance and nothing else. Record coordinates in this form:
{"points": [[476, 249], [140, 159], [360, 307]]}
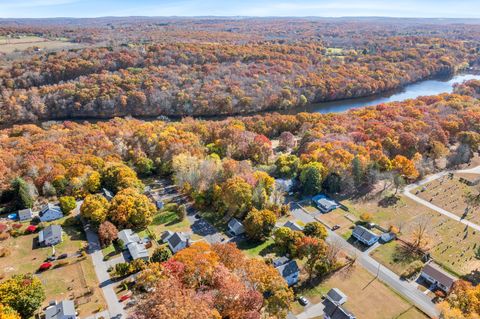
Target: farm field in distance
{"points": [[10, 45]]}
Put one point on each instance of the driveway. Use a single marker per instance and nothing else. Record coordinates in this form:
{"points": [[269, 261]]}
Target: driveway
{"points": [[312, 311]]}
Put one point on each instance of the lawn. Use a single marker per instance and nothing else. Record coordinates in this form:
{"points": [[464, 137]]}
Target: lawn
{"points": [[252, 249], [452, 244], [168, 221], [76, 280], [389, 256], [363, 290]]}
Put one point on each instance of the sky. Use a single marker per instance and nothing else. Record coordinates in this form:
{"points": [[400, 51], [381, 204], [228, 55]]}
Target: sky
{"points": [[263, 8]]}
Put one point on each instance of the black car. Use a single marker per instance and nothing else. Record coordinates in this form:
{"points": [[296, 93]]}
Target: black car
{"points": [[335, 227], [62, 256]]}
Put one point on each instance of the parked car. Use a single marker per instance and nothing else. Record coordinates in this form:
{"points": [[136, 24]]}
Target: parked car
{"points": [[62, 256], [50, 258], [303, 301], [335, 227], [124, 297], [45, 266]]}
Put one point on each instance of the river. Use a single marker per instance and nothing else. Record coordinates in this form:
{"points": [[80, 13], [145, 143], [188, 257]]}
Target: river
{"points": [[427, 87]]}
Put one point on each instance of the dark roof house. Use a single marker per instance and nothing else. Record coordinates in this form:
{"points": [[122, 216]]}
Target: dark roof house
{"points": [[288, 269], [337, 296], [364, 235], [334, 310], [435, 275]]}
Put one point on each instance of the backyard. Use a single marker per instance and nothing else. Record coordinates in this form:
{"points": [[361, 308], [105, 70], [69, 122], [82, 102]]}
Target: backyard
{"points": [[363, 290]]}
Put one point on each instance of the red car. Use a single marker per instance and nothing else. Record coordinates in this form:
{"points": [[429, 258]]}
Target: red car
{"points": [[124, 297], [31, 229], [45, 266]]}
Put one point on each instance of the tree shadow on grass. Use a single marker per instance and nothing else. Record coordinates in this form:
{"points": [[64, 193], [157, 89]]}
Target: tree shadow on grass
{"points": [[389, 201]]}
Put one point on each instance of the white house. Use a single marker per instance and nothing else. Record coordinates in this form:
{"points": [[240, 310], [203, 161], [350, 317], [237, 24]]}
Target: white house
{"points": [[438, 277], [25, 214], [51, 235], [235, 227], [288, 269], [175, 241], [50, 212], [324, 203], [62, 310], [133, 244], [365, 236]]}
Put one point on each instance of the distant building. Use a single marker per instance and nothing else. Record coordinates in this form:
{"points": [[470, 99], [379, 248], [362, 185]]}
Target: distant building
{"points": [[51, 235], [133, 244], [235, 227], [62, 310], [25, 214], [288, 269], [175, 241], [438, 277], [365, 236], [337, 296], [325, 204], [334, 310], [50, 212], [293, 226]]}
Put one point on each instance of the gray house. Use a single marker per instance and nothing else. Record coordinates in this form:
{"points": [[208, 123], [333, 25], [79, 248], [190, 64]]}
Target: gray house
{"points": [[325, 204], [175, 241], [50, 212], [235, 227], [51, 235], [334, 310], [365, 236], [288, 269], [293, 226], [133, 244], [62, 310]]}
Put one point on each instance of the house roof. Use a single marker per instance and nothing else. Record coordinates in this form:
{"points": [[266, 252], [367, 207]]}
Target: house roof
{"points": [[365, 234], [61, 309], [176, 239], [51, 231], [137, 250], [128, 236], [293, 226], [337, 295], [280, 261], [50, 207], [336, 311], [25, 213], [288, 269], [166, 235], [436, 272], [235, 225], [325, 203]]}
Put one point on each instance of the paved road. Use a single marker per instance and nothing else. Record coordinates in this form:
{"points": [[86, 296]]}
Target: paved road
{"points": [[409, 188], [404, 288]]}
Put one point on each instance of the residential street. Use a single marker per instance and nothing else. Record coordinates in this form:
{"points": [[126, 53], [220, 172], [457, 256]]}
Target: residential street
{"points": [[404, 288]]}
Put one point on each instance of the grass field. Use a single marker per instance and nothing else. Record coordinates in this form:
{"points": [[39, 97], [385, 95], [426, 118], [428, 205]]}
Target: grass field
{"points": [[10, 45], [367, 298], [256, 249], [452, 244], [77, 280], [389, 256]]}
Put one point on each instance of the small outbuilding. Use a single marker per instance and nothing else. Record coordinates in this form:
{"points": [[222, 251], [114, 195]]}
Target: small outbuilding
{"points": [[25, 214], [50, 236]]}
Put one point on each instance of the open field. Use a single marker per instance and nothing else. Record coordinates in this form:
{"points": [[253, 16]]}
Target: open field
{"points": [[256, 249], [451, 244], [451, 194], [389, 256], [10, 45], [74, 280], [363, 290]]}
